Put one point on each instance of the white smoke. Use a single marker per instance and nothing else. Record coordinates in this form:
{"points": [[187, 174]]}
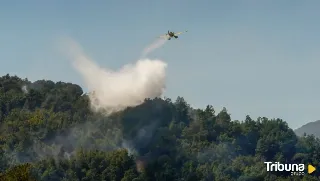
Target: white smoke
{"points": [[115, 90], [155, 45], [24, 89]]}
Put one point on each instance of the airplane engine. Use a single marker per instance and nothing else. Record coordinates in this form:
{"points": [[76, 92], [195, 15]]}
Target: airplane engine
{"points": [[176, 36]]}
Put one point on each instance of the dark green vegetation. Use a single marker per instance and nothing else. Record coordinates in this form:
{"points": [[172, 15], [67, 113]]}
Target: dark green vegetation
{"points": [[312, 128], [49, 133]]}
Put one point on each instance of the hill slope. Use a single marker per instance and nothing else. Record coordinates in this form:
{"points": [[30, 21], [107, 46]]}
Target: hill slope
{"points": [[49, 133], [312, 128]]}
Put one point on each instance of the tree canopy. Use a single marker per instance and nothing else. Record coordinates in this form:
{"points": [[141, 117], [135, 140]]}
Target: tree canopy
{"points": [[48, 132]]}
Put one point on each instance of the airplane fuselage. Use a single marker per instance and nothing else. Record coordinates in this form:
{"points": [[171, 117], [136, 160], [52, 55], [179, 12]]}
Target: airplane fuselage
{"points": [[171, 34]]}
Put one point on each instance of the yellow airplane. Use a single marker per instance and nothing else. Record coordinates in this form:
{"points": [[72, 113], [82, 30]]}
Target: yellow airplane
{"points": [[171, 34]]}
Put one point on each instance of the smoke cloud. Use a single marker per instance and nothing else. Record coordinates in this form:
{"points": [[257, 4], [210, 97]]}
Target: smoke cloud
{"points": [[114, 90]]}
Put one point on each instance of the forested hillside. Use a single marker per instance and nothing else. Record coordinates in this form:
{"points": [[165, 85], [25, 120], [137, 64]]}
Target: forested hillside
{"points": [[48, 132]]}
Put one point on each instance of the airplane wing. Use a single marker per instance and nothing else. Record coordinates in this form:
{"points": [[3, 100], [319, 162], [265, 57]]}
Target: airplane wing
{"points": [[179, 33]]}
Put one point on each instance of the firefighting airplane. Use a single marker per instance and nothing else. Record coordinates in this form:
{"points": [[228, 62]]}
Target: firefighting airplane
{"points": [[171, 34]]}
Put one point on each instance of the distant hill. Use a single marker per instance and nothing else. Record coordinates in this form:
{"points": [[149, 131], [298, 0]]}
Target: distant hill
{"points": [[309, 128]]}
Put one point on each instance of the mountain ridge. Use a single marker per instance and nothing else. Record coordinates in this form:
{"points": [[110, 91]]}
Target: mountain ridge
{"points": [[311, 128]]}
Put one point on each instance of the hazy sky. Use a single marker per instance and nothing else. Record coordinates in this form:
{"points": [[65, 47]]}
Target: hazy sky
{"points": [[252, 57]]}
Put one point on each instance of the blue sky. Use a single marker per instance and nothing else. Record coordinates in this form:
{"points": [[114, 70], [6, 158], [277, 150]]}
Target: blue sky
{"points": [[253, 57]]}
